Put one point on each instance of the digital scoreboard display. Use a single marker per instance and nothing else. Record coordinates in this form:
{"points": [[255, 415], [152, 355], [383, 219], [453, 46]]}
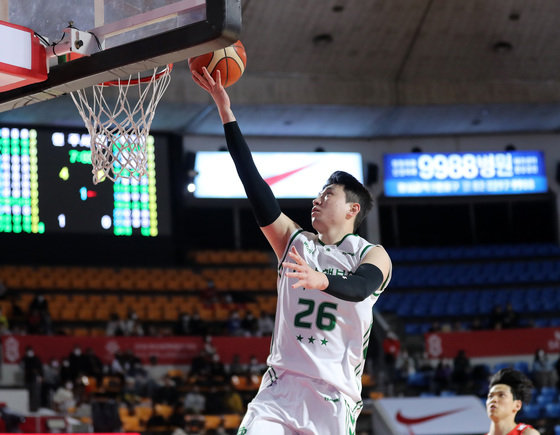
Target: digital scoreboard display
{"points": [[459, 174], [46, 187]]}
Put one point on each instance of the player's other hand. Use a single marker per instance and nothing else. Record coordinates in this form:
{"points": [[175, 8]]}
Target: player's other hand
{"points": [[306, 276]]}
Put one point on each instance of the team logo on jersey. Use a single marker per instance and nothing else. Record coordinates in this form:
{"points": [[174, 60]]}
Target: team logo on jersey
{"points": [[331, 399], [336, 272], [307, 248], [242, 430]]}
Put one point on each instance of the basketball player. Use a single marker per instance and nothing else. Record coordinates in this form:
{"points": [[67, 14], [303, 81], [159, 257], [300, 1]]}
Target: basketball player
{"points": [[327, 285], [509, 389]]}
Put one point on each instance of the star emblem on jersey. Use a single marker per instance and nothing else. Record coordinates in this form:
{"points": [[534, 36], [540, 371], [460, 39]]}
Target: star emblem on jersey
{"points": [[312, 340]]}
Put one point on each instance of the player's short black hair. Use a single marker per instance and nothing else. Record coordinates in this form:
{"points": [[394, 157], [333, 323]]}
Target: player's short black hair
{"points": [[521, 386], [355, 192]]}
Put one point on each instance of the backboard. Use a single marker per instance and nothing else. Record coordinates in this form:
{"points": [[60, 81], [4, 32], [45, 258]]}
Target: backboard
{"points": [[137, 36]]}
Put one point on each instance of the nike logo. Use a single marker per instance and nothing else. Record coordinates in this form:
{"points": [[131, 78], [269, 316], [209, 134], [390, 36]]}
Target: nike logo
{"points": [[417, 420], [276, 178]]}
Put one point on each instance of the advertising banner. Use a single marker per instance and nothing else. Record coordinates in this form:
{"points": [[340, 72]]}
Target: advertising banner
{"points": [[434, 415], [493, 343], [168, 350]]}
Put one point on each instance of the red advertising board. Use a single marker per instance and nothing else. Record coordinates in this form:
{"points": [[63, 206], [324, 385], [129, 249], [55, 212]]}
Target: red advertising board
{"points": [[169, 350], [493, 343]]}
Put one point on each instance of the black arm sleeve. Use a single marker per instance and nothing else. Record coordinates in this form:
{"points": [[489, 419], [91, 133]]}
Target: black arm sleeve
{"points": [[264, 204], [355, 287]]}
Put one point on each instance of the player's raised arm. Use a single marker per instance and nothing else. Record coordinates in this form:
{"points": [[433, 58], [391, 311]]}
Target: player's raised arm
{"points": [[275, 225]]}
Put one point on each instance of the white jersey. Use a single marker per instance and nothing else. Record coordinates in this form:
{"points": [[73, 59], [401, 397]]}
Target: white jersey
{"points": [[319, 335]]}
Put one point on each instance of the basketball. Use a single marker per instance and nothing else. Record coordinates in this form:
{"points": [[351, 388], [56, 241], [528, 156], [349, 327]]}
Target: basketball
{"points": [[230, 61]]}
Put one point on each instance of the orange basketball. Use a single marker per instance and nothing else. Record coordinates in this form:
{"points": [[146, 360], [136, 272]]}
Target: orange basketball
{"points": [[230, 61]]}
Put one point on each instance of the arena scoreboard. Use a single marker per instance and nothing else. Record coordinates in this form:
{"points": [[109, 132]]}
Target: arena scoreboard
{"points": [[46, 187], [460, 174]]}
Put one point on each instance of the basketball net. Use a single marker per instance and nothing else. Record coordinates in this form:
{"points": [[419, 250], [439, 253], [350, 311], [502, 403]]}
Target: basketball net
{"points": [[119, 131]]}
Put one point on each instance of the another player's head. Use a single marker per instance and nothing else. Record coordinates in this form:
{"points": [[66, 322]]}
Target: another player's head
{"points": [[509, 389], [355, 192]]}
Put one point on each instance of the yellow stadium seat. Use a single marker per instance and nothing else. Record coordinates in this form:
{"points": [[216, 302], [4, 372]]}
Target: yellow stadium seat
{"points": [[232, 421], [132, 423], [212, 421]]}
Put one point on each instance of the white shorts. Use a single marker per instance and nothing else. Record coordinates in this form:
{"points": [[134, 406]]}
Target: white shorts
{"points": [[290, 404]]}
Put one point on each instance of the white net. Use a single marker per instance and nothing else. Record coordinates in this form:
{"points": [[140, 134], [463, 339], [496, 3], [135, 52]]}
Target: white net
{"points": [[119, 130]]}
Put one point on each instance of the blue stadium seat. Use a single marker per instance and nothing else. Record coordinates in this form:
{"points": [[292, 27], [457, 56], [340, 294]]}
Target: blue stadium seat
{"points": [[531, 411], [550, 392], [518, 305], [453, 309], [420, 310], [412, 329], [557, 429], [405, 309], [522, 366], [554, 323], [437, 309], [502, 365], [425, 327], [469, 306], [534, 395], [543, 400], [418, 379], [539, 323], [552, 410]]}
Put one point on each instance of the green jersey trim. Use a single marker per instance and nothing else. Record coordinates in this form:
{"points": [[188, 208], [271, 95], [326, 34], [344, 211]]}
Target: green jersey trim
{"points": [[288, 248], [364, 250], [337, 243], [385, 283]]}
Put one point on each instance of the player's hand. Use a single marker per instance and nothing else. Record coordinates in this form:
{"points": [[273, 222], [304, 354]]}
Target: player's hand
{"points": [[213, 87], [306, 276], [216, 91]]}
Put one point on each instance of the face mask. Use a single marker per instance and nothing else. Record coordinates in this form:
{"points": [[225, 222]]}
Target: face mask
{"points": [[30, 353], [77, 352]]}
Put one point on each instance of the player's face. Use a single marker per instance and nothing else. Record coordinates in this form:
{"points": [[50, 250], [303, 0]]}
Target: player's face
{"points": [[500, 403], [329, 207]]}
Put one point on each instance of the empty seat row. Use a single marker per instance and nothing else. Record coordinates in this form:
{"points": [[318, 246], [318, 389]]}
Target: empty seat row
{"points": [[136, 279], [468, 274], [474, 302], [231, 257], [80, 307], [447, 253]]}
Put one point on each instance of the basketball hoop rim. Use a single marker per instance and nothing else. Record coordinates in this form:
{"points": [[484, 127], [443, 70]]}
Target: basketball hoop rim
{"points": [[167, 70]]}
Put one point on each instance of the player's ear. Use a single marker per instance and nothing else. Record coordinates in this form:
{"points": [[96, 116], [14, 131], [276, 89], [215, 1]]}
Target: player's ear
{"points": [[517, 405], [354, 209]]}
